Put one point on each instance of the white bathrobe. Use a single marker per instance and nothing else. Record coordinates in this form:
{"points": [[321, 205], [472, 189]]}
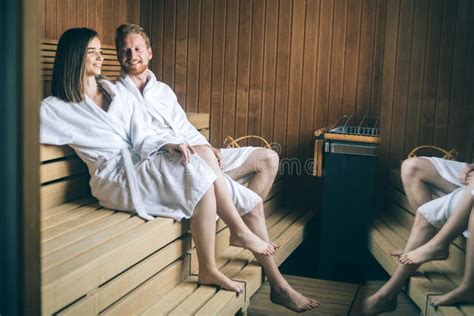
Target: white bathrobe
{"points": [[121, 149], [161, 103]]}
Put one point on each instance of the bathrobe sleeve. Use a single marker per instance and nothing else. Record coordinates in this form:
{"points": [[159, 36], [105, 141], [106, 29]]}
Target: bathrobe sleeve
{"points": [[52, 132], [190, 133]]}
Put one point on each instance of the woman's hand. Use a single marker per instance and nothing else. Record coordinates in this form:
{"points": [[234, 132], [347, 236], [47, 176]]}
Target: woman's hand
{"points": [[466, 174], [182, 152]]}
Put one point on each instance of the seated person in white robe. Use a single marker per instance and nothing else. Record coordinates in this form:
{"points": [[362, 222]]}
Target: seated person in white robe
{"points": [[132, 166], [442, 192], [257, 166]]}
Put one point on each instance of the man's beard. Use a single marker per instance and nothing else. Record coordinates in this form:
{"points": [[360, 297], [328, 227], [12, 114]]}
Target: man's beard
{"points": [[135, 70]]}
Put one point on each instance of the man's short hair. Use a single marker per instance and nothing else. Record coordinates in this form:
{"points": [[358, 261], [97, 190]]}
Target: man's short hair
{"points": [[126, 29]]}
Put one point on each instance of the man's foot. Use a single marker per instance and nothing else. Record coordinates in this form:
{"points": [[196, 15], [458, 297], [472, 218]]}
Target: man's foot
{"points": [[377, 304], [252, 242], [425, 253], [292, 300], [216, 277], [457, 296]]}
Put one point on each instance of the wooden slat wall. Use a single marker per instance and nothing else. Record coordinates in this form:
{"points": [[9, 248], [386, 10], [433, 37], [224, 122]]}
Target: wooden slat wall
{"points": [[102, 15], [276, 68], [428, 77], [281, 68]]}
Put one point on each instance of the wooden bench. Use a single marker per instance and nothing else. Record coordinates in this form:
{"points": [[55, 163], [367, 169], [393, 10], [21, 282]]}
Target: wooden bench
{"points": [[390, 230], [96, 260]]}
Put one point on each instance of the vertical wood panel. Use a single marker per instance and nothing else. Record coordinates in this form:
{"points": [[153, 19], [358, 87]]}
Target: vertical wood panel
{"points": [[445, 73], [282, 73], [337, 61], [379, 43], [194, 37], [256, 71], [243, 68], [50, 19], [431, 72], [269, 66], [402, 80], [181, 50], [169, 44], [351, 58], [366, 53], [415, 91], [296, 77], [230, 76], [388, 80], [205, 57], [217, 72], [309, 79], [156, 39], [326, 17], [459, 74]]}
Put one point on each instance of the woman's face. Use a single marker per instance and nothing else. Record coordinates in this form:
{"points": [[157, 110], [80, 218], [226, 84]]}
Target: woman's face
{"points": [[94, 58]]}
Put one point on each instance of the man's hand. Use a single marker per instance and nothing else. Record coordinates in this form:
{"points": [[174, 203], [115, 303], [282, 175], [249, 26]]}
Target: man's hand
{"points": [[467, 174], [219, 157], [182, 152]]}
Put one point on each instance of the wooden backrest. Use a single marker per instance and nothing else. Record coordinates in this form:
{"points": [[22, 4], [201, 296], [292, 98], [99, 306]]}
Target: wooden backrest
{"points": [[110, 66]]}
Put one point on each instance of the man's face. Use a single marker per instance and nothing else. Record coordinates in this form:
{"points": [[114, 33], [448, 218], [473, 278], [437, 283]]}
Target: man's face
{"points": [[134, 55]]}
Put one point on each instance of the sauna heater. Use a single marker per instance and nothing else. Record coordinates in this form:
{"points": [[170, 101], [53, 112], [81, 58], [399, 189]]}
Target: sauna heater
{"points": [[348, 153]]}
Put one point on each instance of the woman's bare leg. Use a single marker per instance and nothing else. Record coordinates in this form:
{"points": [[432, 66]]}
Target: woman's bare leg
{"points": [[417, 176], [438, 247], [281, 292], [464, 293], [203, 227]]}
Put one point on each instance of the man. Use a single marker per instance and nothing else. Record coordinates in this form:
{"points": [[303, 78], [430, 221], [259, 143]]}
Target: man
{"points": [[422, 179], [258, 166]]}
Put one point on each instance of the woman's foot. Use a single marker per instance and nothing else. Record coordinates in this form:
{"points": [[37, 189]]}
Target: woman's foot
{"points": [[252, 242], [425, 253], [396, 253], [292, 300], [377, 304], [215, 277], [458, 295]]}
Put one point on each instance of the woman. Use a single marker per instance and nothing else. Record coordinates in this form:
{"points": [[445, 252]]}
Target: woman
{"points": [[133, 167]]}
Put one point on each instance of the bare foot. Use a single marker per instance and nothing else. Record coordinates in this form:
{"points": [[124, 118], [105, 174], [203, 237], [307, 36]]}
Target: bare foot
{"points": [[216, 277], [457, 296], [377, 304], [396, 253], [292, 300], [425, 253], [252, 242]]}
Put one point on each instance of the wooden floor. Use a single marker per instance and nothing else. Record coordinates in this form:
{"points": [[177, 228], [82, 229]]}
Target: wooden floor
{"points": [[336, 298]]}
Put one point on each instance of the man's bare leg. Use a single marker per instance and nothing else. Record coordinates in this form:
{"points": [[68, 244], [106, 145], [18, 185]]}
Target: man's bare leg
{"points": [[263, 163], [282, 292], [464, 293], [203, 227], [438, 247], [417, 175]]}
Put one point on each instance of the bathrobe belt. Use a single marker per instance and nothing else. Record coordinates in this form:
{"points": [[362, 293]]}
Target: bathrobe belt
{"points": [[133, 185]]}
